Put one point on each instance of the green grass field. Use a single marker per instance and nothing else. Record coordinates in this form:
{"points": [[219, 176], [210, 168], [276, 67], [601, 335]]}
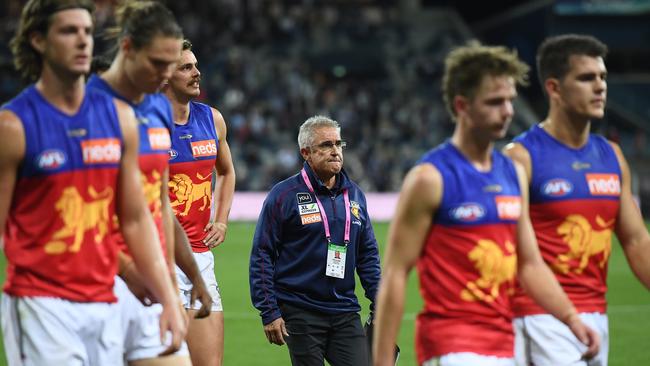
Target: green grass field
{"points": [[245, 343]]}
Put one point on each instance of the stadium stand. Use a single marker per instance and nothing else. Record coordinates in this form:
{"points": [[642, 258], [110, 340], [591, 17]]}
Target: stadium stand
{"points": [[375, 66]]}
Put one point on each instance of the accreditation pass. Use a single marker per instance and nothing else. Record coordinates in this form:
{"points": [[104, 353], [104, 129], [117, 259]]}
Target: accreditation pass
{"points": [[335, 260]]}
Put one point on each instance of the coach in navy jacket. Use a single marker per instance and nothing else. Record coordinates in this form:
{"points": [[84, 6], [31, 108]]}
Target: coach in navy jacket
{"points": [[301, 282]]}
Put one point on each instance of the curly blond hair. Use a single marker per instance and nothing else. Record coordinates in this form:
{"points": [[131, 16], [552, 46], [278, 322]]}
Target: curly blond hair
{"points": [[466, 66]]}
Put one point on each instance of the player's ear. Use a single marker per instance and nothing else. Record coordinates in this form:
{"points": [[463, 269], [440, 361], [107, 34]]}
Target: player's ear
{"points": [[126, 44], [552, 86], [460, 104], [37, 40]]}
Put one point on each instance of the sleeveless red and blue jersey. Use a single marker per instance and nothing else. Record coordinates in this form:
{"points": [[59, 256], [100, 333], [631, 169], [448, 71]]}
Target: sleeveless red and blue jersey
{"points": [[191, 162], [574, 202], [155, 121], [57, 238], [468, 264]]}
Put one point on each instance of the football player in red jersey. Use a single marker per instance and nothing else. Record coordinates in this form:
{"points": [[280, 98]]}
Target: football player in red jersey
{"points": [[200, 149], [462, 218], [68, 162], [577, 202]]}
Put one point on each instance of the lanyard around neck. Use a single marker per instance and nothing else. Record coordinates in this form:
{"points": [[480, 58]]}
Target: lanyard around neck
{"points": [[323, 215]]}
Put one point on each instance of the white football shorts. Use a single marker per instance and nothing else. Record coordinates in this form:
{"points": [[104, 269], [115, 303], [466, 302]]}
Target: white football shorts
{"points": [[54, 331], [469, 358], [543, 340], [140, 326], [205, 262]]}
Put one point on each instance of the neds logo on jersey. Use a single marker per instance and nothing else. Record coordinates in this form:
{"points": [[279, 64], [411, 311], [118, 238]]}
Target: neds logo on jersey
{"points": [[50, 159], [557, 187], [204, 148], [467, 212], [159, 138], [508, 207], [604, 184], [101, 151]]}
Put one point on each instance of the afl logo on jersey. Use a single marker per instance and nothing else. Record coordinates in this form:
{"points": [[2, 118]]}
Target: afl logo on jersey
{"points": [[467, 212], [557, 187], [50, 159], [173, 154]]}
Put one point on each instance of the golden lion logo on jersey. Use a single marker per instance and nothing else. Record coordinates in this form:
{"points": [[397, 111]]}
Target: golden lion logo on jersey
{"points": [[188, 192], [151, 195], [495, 268], [583, 242], [152, 192], [79, 216]]}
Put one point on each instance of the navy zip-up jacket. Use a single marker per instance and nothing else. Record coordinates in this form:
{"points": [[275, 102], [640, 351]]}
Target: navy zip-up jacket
{"points": [[288, 258]]}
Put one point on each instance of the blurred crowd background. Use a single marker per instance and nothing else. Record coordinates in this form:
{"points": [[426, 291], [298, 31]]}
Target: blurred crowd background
{"points": [[375, 66]]}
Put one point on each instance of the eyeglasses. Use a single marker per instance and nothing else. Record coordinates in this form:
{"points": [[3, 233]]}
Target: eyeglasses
{"points": [[330, 145]]}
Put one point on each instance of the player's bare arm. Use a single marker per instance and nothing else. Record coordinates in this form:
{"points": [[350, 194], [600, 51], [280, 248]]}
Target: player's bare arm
{"points": [[630, 228], [538, 280], [518, 153], [128, 271], [419, 198], [224, 188], [187, 264], [12, 152], [140, 233], [168, 225]]}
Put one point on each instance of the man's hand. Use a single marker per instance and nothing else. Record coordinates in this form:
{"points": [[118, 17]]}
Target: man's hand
{"points": [[174, 319], [134, 281], [585, 334], [216, 234], [369, 326], [275, 331], [200, 292]]}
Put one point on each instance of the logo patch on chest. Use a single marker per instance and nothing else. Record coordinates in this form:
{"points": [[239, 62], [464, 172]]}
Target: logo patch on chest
{"points": [[577, 166], [354, 208], [557, 187], [496, 188], [159, 138], [310, 218], [77, 132], [508, 207], [204, 148], [303, 198], [51, 159], [101, 151], [467, 212], [603, 184], [308, 208]]}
